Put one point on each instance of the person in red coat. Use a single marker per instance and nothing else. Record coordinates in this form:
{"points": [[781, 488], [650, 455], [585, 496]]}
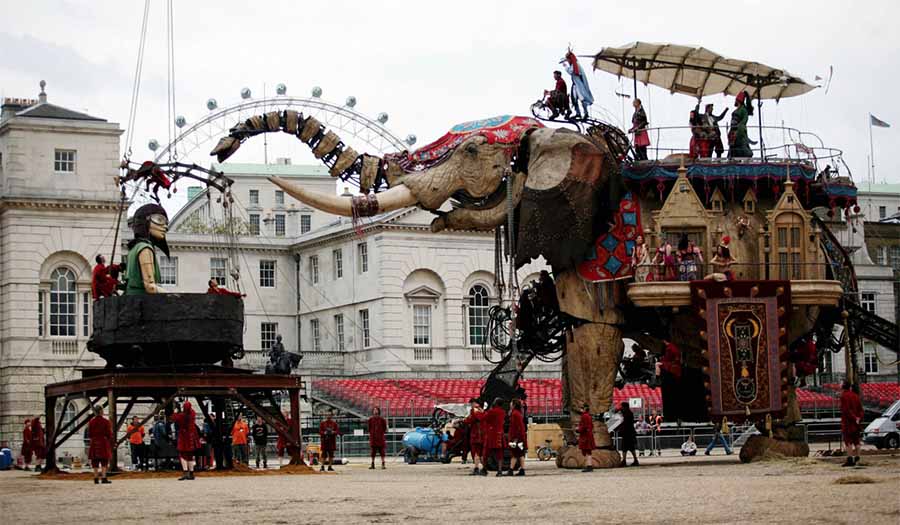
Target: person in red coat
{"points": [[26, 444], [476, 436], [214, 288], [38, 445], [586, 437], [493, 435], [282, 446], [188, 439], [518, 438], [100, 433], [377, 429], [328, 433], [103, 284], [851, 423]]}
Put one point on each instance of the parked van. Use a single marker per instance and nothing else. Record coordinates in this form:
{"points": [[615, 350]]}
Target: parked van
{"points": [[883, 431]]}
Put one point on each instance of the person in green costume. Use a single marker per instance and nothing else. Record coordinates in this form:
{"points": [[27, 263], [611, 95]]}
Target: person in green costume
{"points": [[738, 140], [150, 224]]}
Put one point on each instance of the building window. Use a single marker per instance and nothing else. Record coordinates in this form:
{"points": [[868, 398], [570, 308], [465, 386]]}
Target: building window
{"points": [[267, 274], [364, 325], [254, 224], [316, 337], [62, 303], [168, 270], [41, 313], [267, 333], [895, 257], [305, 223], [337, 259], [64, 161], [421, 324], [339, 331], [362, 250], [85, 313], [279, 198], [882, 212], [881, 255], [867, 301], [254, 197], [279, 225], [478, 315], [217, 270], [314, 269], [870, 358]]}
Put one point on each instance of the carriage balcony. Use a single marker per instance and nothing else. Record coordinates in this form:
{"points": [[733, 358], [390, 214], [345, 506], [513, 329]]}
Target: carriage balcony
{"points": [[764, 204]]}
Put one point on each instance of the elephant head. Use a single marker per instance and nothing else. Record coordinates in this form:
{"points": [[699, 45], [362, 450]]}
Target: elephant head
{"points": [[553, 180]]}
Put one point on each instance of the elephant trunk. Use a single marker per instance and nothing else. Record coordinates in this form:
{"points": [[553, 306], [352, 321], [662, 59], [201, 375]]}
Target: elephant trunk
{"points": [[474, 219]]}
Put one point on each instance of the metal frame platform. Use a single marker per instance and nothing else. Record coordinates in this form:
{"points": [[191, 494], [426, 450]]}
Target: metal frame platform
{"points": [[130, 387]]}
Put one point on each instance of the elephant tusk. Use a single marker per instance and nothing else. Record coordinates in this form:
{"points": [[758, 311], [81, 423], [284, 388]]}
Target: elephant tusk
{"points": [[393, 199]]}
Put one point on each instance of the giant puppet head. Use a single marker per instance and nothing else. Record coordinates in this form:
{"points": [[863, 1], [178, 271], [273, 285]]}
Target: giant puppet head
{"points": [[150, 223]]}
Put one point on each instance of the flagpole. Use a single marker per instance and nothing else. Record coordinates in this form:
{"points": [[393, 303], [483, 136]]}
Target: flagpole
{"points": [[871, 153]]}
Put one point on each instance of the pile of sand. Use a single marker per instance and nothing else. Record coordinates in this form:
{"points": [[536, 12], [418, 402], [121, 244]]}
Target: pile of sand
{"points": [[854, 479]]}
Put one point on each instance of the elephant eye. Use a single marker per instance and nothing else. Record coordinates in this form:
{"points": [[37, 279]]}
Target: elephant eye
{"points": [[472, 149]]}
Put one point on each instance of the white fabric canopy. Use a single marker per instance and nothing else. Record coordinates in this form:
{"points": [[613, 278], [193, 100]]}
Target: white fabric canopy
{"points": [[697, 72]]}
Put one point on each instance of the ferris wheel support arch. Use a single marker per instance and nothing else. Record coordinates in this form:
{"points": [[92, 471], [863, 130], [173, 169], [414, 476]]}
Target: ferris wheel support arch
{"points": [[350, 122]]}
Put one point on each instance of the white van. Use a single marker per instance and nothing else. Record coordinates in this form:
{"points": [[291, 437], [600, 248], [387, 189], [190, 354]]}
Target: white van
{"points": [[883, 431]]}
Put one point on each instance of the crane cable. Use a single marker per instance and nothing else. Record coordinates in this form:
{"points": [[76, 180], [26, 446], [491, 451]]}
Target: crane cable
{"points": [[136, 84]]}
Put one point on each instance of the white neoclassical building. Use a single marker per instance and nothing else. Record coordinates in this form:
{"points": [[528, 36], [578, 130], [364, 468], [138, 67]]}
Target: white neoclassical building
{"points": [[58, 204]]}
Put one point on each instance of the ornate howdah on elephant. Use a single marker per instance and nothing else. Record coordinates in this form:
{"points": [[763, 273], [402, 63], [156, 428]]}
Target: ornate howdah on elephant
{"points": [[570, 205]]}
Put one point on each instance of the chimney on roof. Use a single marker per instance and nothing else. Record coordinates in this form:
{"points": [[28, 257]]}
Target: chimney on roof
{"points": [[42, 96], [12, 105]]}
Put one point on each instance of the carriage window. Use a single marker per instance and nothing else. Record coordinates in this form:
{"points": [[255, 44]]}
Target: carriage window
{"points": [[62, 303]]}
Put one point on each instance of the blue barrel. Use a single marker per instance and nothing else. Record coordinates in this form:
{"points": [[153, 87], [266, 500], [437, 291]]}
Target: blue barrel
{"points": [[6, 459], [422, 439]]}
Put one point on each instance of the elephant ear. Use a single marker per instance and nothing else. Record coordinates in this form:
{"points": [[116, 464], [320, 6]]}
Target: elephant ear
{"points": [[570, 194]]}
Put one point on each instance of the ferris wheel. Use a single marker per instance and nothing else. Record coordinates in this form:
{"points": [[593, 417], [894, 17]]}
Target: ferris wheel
{"points": [[370, 132]]}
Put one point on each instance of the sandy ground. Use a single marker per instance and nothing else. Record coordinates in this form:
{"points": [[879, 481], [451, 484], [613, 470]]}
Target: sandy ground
{"points": [[715, 489]]}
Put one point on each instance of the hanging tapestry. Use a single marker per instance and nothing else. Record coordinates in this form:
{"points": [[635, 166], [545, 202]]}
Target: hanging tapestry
{"points": [[610, 258], [744, 324]]}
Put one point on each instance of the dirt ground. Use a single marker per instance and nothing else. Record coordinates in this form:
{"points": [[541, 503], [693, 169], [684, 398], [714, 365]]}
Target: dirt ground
{"points": [[715, 489]]}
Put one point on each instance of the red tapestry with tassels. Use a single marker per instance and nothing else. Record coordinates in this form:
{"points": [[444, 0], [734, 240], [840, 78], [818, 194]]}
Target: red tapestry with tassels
{"points": [[744, 324]]}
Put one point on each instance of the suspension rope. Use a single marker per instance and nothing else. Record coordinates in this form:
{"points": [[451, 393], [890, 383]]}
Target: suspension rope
{"points": [[136, 85]]}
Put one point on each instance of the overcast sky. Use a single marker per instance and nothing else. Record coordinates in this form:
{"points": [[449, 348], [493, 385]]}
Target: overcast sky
{"points": [[431, 65]]}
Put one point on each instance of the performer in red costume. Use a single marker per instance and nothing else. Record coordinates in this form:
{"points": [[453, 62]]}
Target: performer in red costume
{"points": [[103, 283], [328, 433], [188, 439], [518, 438], [282, 446], [26, 444], [377, 430], [851, 423], [214, 288], [476, 436], [100, 451], [38, 445], [493, 435], [586, 437]]}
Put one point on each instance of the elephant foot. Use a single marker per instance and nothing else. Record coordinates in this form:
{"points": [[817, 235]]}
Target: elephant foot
{"points": [[762, 447], [570, 457]]}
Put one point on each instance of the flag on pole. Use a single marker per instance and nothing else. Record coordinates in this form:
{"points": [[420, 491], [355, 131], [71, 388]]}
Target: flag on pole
{"points": [[878, 123]]}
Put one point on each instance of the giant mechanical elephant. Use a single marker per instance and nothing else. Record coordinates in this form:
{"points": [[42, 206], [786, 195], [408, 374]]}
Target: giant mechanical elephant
{"points": [[563, 188]]}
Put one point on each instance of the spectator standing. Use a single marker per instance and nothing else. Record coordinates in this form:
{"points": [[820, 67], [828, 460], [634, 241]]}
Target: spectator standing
{"points": [[628, 434], [260, 441], [136, 443], [639, 125], [239, 434], [721, 433], [26, 444]]}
